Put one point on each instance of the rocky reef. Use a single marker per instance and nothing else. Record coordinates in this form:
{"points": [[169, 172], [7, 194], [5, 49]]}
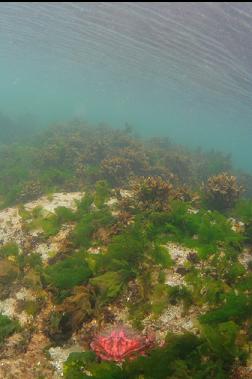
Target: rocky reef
{"points": [[75, 155], [63, 284], [132, 270]]}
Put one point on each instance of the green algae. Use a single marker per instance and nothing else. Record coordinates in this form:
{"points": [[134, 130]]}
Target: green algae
{"points": [[7, 327]]}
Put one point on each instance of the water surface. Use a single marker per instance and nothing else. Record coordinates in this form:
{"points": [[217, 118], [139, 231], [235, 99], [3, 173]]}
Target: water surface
{"points": [[177, 69]]}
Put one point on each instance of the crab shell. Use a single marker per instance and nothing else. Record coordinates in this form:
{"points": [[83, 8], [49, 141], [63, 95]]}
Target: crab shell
{"points": [[120, 344]]}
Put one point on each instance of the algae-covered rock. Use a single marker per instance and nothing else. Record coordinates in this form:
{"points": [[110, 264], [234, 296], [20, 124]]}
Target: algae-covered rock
{"points": [[70, 315], [9, 249], [78, 306], [8, 272], [32, 279]]}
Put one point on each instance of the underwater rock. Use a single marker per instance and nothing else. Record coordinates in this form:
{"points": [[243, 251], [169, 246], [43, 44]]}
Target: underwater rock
{"points": [[180, 254], [58, 199], [30, 190], [175, 320], [32, 279], [182, 270], [174, 279], [192, 257], [245, 258], [94, 250], [60, 354], [8, 271], [242, 373], [69, 316], [237, 226], [13, 345], [10, 226], [54, 244], [77, 312], [9, 307], [78, 306]]}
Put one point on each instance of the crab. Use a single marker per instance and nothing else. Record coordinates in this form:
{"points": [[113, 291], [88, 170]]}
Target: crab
{"points": [[120, 343]]}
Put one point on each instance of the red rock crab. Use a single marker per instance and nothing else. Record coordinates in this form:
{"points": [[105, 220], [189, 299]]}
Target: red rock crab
{"points": [[119, 343]]}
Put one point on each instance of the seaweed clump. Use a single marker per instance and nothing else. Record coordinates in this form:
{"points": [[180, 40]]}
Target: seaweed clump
{"points": [[30, 190], [116, 170], [69, 316], [72, 156], [243, 212], [7, 327], [222, 191], [67, 273], [152, 193]]}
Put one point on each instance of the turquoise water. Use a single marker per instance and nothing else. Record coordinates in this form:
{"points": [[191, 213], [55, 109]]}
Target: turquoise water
{"points": [[182, 70]]}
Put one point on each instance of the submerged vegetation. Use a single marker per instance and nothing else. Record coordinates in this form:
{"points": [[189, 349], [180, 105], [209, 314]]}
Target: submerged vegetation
{"points": [[7, 327], [146, 245], [75, 156], [222, 191]]}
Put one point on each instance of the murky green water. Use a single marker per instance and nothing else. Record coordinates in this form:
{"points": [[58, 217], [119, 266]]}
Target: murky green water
{"points": [[177, 69]]}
